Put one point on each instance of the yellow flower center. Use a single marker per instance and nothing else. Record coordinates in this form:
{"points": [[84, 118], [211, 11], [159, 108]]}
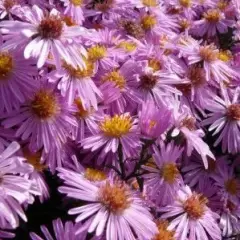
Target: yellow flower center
{"points": [[127, 46], [163, 232], [80, 73], [81, 113], [97, 52], [6, 65], [44, 105], [225, 56], [212, 15], [208, 53], [50, 27], [184, 24], [169, 172], [148, 22], [185, 3], [155, 64], [115, 77], [231, 186], [76, 2], [34, 159], [195, 205], [115, 197], [150, 3], [116, 126], [94, 175], [222, 5], [233, 112]]}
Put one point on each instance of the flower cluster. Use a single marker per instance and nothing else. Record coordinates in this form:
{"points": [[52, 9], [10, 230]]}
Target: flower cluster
{"points": [[133, 105]]}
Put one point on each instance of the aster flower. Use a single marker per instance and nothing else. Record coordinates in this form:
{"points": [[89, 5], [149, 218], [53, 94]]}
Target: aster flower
{"points": [[213, 21], [163, 178], [192, 217], [111, 204], [113, 131], [153, 121], [62, 231], [74, 10], [15, 189], [224, 120], [16, 84], [45, 35], [44, 120], [77, 83]]}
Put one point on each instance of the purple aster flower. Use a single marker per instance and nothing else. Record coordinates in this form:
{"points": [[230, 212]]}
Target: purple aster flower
{"points": [[153, 120], [62, 231], [48, 35], [44, 120], [225, 119], [15, 189], [74, 10], [112, 131], [191, 217], [112, 205], [16, 80], [77, 83], [163, 179], [213, 21]]}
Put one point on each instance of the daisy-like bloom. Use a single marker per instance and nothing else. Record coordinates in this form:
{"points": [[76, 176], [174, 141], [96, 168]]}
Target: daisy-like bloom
{"points": [[110, 204], [62, 231], [37, 175], [195, 173], [213, 21], [163, 232], [191, 217], [185, 127], [15, 189], [228, 183], [153, 121], [16, 80], [214, 67], [77, 83], [45, 120], [44, 35], [113, 131], [224, 120], [74, 10], [163, 178]]}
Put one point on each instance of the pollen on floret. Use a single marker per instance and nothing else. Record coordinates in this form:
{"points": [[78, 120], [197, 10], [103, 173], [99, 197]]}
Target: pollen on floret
{"points": [[68, 21], [6, 65], [195, 205], [233, 112], [208, 53], [189, 122], [148, 81], [133, 29], [81, 112], [222, 4], [231, 186], [50, 27], [96, 53], [94, 175], [115, 197], [163, 232], [185, 3], [212, 15], [169, 172], [225, 56], [116, 77], [196, 76], [34, 159], [76, 3], [80, 73], [44, 104], [116, 126], [184, 24], [127, 46], [148, 22], [155, 64], [150, 3]]}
